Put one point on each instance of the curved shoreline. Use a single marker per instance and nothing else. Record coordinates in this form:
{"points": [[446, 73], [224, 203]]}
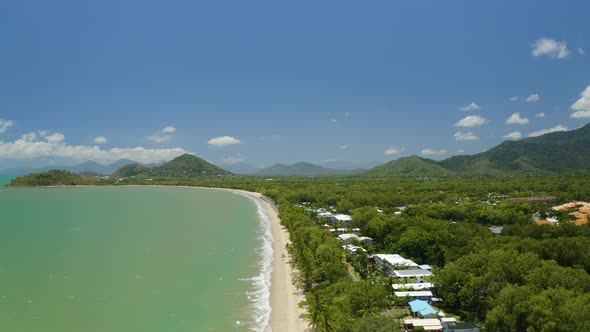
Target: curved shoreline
{"points": [[284, 299], [285, 313]]}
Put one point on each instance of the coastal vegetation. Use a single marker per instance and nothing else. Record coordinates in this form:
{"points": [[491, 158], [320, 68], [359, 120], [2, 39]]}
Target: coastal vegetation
{"points": [[533, 276], [543, 268]]}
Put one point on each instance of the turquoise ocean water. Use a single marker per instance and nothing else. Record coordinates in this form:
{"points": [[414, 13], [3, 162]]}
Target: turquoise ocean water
{"points": [[132, 259]]}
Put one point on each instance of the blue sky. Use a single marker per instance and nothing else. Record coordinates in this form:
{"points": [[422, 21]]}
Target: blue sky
{"points": [[285, 82]]}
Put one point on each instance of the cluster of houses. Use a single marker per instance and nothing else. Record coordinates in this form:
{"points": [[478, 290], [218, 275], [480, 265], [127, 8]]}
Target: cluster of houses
{"points": [[413, 284], [579, 213], [413, 279]]}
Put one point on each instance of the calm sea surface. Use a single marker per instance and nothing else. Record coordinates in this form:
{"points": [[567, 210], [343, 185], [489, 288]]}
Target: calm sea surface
{"points": [[129, 259]]}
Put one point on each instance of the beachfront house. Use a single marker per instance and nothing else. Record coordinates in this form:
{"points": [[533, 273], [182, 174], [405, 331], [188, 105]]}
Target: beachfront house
{"points": [[426, 324], [416, 274], [462, 327], [424, 295], [412, 286], [348, 238], [341, 218], [497, 230], [421, 309], [387, 263]]}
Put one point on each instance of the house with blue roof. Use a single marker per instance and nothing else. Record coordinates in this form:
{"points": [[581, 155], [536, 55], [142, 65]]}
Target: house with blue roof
{"points": [[421, 309]]}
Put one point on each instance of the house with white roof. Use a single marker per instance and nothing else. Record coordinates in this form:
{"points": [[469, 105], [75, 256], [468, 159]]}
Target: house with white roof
{"points": [[424, 295], [418, 274], [343, 218], [350, 237], [389, 262], [413, 286]]}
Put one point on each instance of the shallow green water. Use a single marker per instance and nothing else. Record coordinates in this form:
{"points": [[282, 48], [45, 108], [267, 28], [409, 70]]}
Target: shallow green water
{"points": [[126, 259]]}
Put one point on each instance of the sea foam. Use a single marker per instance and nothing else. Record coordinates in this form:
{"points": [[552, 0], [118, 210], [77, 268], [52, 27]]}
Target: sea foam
{"points": [[260, 293]]}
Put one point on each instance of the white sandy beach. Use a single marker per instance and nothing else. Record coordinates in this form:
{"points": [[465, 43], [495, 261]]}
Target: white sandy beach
{"points": [[284, 296]]}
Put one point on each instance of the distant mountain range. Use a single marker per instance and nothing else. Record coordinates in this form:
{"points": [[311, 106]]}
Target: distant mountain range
{"points": [[554, 153], [89, 167], [302, 169], [559, 152]]}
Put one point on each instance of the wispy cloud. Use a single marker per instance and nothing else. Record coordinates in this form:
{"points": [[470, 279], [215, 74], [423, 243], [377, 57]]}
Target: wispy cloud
{"points": [[100, 140], [471, 121], [515, 98], [223, 141], [582, 105], [431, 152], [343, 147], [471, 107], [581, 51], [516, 119], [159, 138], [29, 137], [4, 124], [548, 130], [533, 98], [391, 151], [163, 135], [459, 136], [540, 115], [513, 135], [551, 48]]}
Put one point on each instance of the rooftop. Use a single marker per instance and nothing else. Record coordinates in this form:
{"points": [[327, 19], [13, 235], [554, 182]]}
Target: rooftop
{"points": [[411, 273], [395, 259], [413, 293], [414, 286]]}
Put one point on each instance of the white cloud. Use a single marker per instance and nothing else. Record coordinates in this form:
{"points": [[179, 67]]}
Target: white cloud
{"points": [[343, 147], [159, 138], [333, 120], [550, 47], [582, 105], [223, 141], [471, 121], [54, 138], [514, 98], [516, 119], [471, 107], [234, 160], [540, 115], [533, 98], [22, 149], [459, 136], [391, 151], [4, 124], [29, 137], [431, 152], [548, 130], [100, 140], [513, 135], [460, 151], [581, 51]]}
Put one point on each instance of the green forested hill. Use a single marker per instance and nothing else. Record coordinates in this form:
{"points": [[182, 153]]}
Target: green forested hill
{"points": [[129, 170], [413, 166], [560, 152], [185, 166], [50, 178]]}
